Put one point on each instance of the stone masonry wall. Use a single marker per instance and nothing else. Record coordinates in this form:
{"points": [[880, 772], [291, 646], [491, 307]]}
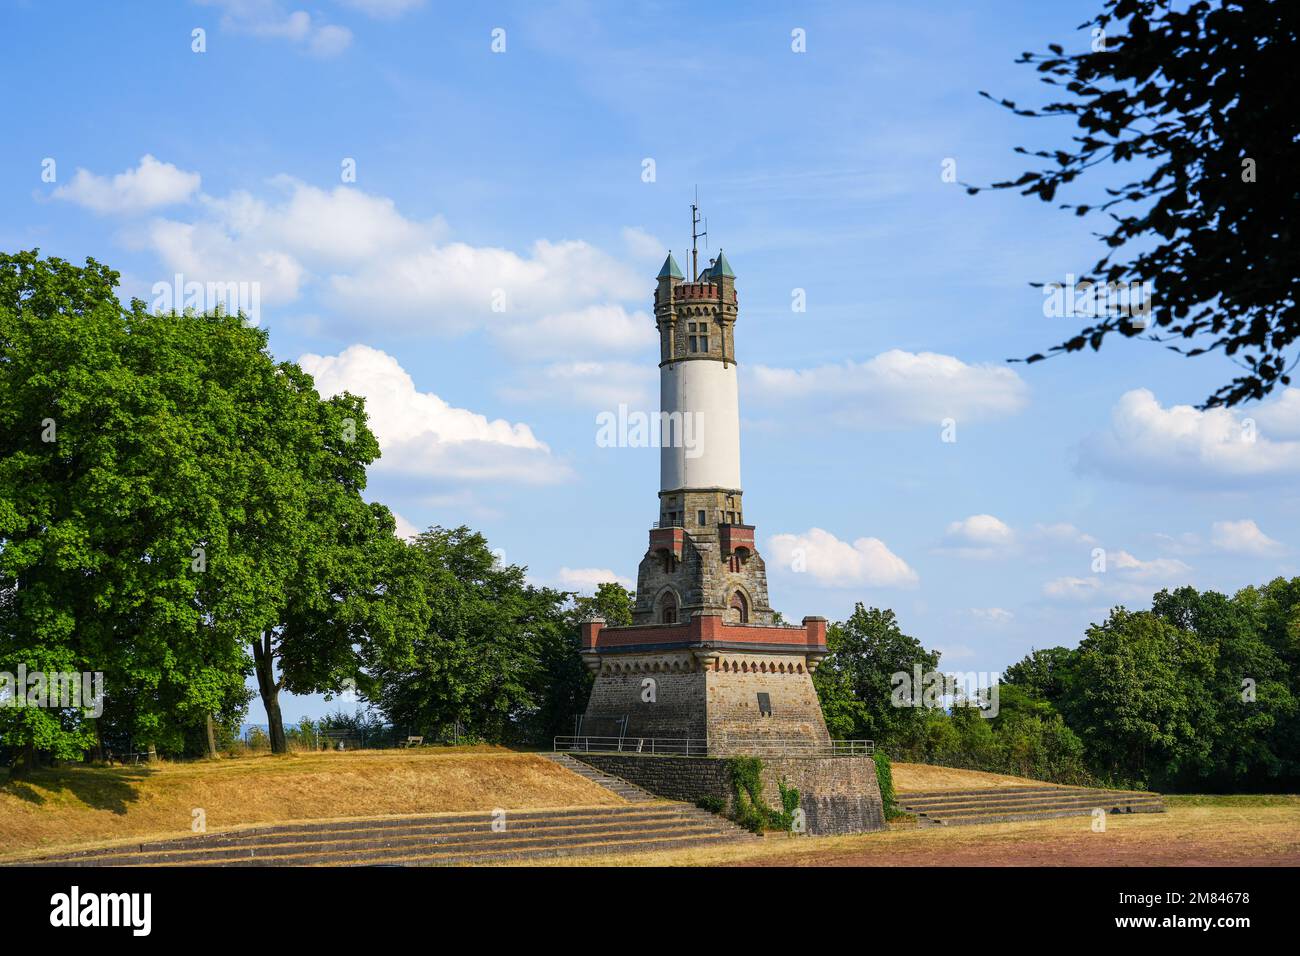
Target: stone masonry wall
{"points": [[733, 711], [837, 794], [679, 707]]}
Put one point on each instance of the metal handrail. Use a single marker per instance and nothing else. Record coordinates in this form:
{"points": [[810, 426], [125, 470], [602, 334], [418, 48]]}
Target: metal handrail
{"points": [[699, 746], [584, 743]]}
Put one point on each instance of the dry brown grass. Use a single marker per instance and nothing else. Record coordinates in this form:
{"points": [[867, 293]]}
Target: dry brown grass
{"points": [[1187, 835], [916, 777], [93, 805]]}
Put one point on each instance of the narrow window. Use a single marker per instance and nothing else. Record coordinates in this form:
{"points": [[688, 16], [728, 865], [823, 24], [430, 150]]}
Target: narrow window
{"points": [[668, 609], [700, 518], [739, 608]]}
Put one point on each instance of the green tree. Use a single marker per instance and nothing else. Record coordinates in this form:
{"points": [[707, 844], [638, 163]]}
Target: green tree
{"points": [[107, 504], [856, 679], [1042, 674], [1140, 699], [1190, 94], [480, 660], [568, 680], [170, 496]]}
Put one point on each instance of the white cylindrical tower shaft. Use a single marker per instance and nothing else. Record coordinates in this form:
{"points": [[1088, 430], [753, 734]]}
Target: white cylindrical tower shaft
{"points": [[700, 430]]}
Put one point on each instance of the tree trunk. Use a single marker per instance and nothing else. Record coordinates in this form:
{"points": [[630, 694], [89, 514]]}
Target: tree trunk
{"points": [[97, 751], [212, 737], [269, 688], [27, 759]]}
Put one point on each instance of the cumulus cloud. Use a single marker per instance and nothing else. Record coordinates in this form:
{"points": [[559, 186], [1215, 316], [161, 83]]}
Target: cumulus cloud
{"points": [[1182, 445], [1072, 588], [1164, 569], [897, 388], [1062, 532], [835, 563], [405, 529], [593, 331], [979, 536], [149, 185], [422, 435], [992, 615], [1244, 537], [370, 261], [456, 286], [384, 9], [1123, 578], [600, 385], [585, 580], [269, 19]]}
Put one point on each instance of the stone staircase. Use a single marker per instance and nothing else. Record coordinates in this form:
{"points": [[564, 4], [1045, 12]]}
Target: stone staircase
{"points": [[642, 825], [628, 791], [1006, 805]]}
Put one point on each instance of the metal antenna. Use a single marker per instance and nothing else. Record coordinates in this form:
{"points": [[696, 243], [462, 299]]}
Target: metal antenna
{"points": [[695, 221]]}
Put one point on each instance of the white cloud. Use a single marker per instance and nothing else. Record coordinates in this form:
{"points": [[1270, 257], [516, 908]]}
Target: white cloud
{"points": [[1244, 537], [1062, 532], [1185, 446], [148, 186], [898, 388], [1072, 588], [384, 9], [594, 331], [835, 563], [585, 580], [1166, 569], [268, 19], [980, 530], [372, 264], [455, 286], [421, 434], [404, 529], [979, 536], [601, 385], [992, 615]]}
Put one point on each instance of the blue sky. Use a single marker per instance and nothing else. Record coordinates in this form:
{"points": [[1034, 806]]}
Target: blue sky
{"points": [[517, 177]]}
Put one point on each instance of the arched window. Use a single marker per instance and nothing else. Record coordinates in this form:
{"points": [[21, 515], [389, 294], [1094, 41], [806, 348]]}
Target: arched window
{"points": [[668, 608], [739, 609]]}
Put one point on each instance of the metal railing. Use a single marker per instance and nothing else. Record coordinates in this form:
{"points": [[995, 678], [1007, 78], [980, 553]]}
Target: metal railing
{"points": [[682, 746], [699, 746]]}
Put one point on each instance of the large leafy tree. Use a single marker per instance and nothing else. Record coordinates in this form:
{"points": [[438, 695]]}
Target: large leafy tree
{"points": [[1141, 699], [480, 659], [1192, 98], [171, 497], [855, 680], [568, 681], [118, 443]]}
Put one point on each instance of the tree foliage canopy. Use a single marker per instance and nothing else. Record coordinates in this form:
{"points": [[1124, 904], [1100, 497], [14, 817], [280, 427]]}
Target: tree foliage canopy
{"points": [[1195, 96]]}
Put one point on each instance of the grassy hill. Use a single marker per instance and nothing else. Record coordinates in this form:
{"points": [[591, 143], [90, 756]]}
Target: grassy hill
{"points": [[85, 805]]}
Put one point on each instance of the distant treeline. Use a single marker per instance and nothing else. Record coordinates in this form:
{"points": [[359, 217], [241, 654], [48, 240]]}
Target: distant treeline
{"points": [[1198, 693]]}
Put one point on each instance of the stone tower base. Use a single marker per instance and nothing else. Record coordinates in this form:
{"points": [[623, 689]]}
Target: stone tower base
{"points": [[837, 794]]}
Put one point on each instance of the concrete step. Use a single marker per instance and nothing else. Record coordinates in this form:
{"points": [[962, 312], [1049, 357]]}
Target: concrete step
{"points": [[290, 843], [432, 823], [993, 800], [428, 839], [1029, 816], [617, 785], [955, 808], [429, 848]]}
